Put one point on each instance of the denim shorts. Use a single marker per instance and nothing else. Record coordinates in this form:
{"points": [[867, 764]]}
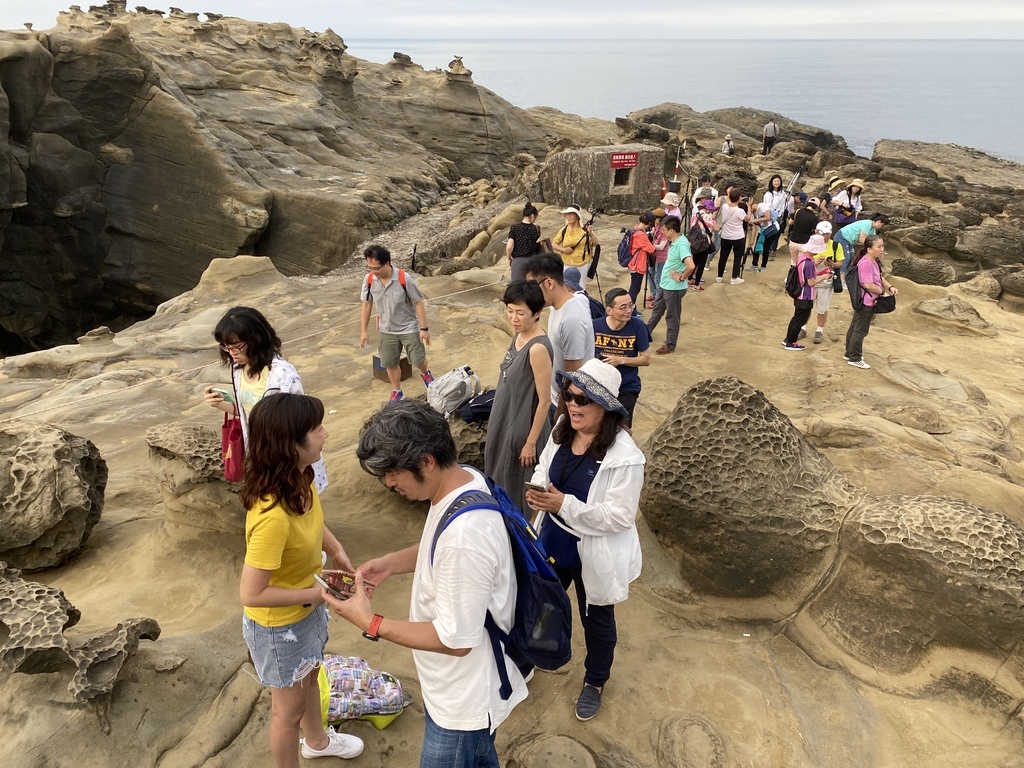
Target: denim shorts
{"points": [[284, 655]]}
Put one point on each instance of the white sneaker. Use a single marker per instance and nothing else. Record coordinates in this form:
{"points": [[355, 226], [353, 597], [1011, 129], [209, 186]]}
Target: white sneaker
{"points": [[858, 364], [341, 745], [718, 279], [736, 281]]}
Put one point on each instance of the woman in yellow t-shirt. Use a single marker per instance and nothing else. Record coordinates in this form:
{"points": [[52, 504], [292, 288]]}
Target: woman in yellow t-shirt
{"points": [[285, 621], [575, 242]]}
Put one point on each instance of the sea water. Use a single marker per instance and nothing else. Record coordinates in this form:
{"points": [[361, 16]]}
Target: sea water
{"points": [[950, 91]]}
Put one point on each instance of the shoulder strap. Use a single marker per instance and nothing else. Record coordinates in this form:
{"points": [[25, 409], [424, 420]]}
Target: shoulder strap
{"points": [[465, 502]]}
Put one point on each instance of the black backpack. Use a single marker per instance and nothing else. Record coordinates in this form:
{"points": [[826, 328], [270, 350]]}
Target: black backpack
{"points": [[541, 633], [698, 237], [853, 286]]}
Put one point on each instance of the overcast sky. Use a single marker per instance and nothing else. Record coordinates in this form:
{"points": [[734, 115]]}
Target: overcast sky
{"points": [[597, 19]]}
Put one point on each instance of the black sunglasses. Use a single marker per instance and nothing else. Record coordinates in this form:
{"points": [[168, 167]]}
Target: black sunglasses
{"points": [[571, 397]]}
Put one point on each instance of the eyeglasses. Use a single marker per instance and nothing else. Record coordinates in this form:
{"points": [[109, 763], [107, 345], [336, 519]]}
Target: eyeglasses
{"points": [[571, 397], [376, 269], [233, 347], [621, 307]]}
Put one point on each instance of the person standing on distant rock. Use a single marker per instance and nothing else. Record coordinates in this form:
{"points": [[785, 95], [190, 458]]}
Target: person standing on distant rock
{"points": [[728, 148], [251, 347], [769, 134], [518, 426], [570, 327], [522, 242], [575, 241], [621, 339], [847, 204], [284, 621], [852, 236], [872, 285], [401, 318], [674, 282]]}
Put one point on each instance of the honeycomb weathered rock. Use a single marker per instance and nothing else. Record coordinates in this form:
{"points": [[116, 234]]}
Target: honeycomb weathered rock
{"points": [[52, 485]]}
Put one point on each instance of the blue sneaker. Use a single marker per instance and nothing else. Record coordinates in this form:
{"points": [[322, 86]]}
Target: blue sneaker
{"points": [[396, 395]]}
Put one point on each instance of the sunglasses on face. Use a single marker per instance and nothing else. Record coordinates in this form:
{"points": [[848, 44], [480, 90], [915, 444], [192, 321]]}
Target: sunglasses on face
{"points": [[571, 397]]}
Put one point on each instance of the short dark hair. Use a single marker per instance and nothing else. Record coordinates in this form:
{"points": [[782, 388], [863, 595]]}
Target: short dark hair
{"points": [[247, 325], [880, 217], [378, 253], [524, 292], [613, 294], [705, 178], [672, 223], [545, 265], [734, 196], [401, 435]]}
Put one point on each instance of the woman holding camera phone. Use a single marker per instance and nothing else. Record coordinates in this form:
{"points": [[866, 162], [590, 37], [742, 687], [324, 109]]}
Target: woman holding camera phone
{"points": [[593, 473], [252, 349], [285, 621]]}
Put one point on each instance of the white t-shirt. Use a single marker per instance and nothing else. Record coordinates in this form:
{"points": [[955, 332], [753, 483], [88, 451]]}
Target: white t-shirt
{"points": [[571, 331], [472, 574], [732, 222]]}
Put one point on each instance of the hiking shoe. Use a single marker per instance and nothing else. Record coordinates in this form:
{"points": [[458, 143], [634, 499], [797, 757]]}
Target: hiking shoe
{"points": [[794, 347], [428, 378], [664, 349], [818, 337], [736, 281], [396, 395], [340, 745], [802, 334], [718, 279], [588, 703], [858, 364]]}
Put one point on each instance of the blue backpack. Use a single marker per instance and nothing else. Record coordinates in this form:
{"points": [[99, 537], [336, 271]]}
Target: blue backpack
{"points": [[541, 631], [625, 252]]}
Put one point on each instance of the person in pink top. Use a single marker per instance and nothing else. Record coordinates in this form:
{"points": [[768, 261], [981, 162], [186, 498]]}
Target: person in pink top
{"points": [[872, 285]]}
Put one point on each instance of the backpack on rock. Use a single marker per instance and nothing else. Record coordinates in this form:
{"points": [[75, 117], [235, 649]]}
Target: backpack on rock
{"points": [[447, 393]]}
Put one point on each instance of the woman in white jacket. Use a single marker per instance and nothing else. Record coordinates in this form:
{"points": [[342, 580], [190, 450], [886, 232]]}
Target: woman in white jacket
{"points": [[250, 346], [593, 472]]}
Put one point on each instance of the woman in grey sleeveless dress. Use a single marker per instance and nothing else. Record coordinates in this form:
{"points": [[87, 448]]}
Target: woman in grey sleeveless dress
{"points": [[518, 426]]}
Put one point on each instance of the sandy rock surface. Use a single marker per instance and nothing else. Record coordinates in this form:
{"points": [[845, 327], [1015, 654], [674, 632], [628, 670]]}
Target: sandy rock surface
{"points": [[702, 676]]}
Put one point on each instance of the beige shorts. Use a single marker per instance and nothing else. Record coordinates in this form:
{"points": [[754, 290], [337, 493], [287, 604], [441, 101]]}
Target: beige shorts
{"points": [[390, 348], [823, 295]]}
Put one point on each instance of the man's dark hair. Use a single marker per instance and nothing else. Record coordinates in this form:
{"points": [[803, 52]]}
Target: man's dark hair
{"points": [[705, 179], [524, 292], [378, 253], [545, 265], [880, 217], [672, 223], [401, 435], [613, 294]]}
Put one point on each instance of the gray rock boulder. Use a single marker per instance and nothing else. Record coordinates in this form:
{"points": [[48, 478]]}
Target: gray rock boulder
{"points": [[52, 484], [991, 246], [934, 271], [956, 313]]}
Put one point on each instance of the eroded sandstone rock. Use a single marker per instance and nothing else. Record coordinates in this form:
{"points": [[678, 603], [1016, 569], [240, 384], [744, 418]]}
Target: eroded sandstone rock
{"points": [[35, 617], [52, 485]]}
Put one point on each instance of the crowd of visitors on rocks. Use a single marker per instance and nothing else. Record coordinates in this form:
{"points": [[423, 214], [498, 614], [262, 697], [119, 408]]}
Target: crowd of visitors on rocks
{"points": [[559, 447]]}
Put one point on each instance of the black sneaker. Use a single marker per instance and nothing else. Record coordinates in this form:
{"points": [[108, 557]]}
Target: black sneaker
{"points": [[794, 347], [588, 703]]}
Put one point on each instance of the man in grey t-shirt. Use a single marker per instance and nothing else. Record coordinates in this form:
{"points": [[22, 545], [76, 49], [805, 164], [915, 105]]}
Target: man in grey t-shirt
{"points": [[570, 327], [401, 318], [768, 136]]}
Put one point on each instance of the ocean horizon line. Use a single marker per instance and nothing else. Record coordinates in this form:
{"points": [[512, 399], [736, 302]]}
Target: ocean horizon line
{"points": [[809, 41]]}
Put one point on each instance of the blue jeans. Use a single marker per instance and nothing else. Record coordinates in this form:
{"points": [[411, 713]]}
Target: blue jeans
{"points": [[443, 748], [655, 281], [848, 252]]}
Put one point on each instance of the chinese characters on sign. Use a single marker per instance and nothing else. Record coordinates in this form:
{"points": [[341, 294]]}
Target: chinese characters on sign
{"points": [[624, 159]]}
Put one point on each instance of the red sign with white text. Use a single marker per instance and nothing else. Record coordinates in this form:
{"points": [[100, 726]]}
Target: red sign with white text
{"points": [[624, 159]]}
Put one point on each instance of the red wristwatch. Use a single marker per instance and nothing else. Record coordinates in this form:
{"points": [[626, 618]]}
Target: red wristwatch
{"points": [[371, 631]]}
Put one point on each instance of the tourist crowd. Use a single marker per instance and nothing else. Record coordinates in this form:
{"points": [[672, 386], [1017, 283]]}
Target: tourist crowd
{"points": [[559, 444]]}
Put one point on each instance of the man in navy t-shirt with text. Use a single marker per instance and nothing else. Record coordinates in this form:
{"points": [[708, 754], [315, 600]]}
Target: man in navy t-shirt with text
{"points": [[622, 339]]}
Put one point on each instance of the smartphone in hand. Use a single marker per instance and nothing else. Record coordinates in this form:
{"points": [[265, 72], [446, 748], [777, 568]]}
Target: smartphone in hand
{"points": [[535, 487], [323, 583], [227, 394]]}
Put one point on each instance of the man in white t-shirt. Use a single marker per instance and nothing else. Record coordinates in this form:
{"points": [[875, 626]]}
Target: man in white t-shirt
{"points": [[410, 445], [570, 326]]}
